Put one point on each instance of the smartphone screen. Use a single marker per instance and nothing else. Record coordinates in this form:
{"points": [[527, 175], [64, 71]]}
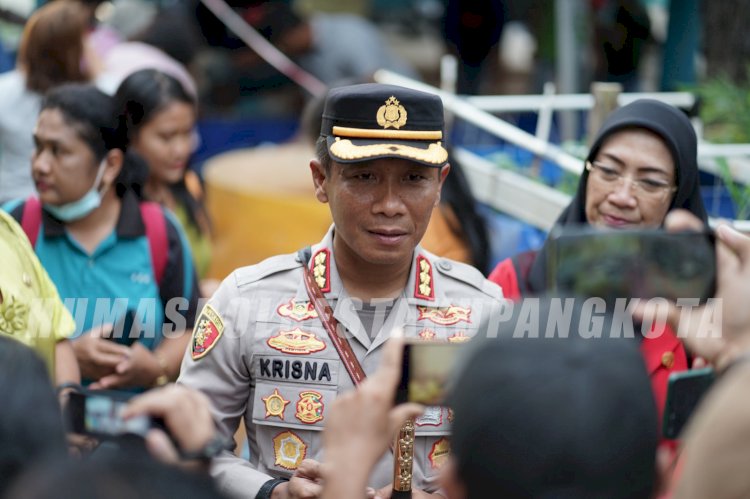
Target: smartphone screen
{"points": [[426, 371], [100, 415], [645, 264], [684, 391]]}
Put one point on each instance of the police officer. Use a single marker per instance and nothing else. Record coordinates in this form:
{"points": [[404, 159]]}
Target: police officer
{"points": [[260, 348], [30, 308]]}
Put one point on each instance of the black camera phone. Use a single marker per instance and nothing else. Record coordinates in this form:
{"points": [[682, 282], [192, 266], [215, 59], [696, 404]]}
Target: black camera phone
{"points": [[685, 390]]}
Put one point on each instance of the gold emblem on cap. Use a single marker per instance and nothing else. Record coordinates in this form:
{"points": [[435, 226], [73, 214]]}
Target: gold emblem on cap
{"points": [[391, 114], [275, 404]]}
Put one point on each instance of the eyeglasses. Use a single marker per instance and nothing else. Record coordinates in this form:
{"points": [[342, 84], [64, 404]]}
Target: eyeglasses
{"points": [[608, 175]]}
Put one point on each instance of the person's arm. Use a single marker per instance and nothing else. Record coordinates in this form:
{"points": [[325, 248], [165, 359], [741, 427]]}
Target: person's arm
{"points": [[66, 365]]}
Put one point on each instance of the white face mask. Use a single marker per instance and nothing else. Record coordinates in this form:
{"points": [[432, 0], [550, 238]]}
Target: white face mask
{"points": [[76, 210]]}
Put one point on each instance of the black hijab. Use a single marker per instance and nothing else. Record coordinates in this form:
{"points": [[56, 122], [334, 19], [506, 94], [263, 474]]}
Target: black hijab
{"points": [[674, 128]]}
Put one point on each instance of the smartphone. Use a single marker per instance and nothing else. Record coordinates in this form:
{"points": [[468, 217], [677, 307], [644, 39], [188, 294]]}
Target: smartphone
{"points": [[98, 413], [639, 263], [426, 370], [122, 331], [685, 390]]}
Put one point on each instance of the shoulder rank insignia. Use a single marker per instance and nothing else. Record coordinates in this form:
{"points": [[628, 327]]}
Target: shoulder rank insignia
{"points": [[439, 453], [275, 404], [296, 342], [423, 280], [444, 316], [298, 311], [427, 335], [288, 450], [459, 337], [391, 114], [310, 407], [208, 329], [432, 416], [321, 269]]}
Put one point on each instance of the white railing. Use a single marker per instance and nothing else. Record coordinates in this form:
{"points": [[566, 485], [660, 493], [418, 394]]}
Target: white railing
{"points": [[519, 196]]}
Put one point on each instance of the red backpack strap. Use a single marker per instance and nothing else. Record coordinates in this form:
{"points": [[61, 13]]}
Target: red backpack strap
{"points": [[31, 220], [156, 232]]}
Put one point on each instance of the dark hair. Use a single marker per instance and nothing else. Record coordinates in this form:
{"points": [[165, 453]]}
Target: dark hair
{"points": [[473, 227], [51, 48], [140, 97], [118, 476], [92, 114], [30, 423]]}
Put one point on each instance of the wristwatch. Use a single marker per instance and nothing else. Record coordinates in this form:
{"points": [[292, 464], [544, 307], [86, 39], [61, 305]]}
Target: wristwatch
{"points": [[209, 451], [267, 489]]}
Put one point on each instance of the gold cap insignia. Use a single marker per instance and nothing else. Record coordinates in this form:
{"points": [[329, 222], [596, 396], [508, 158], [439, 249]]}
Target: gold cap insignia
{"points": [[288, 450], [391, 114], [298, 311], [444, 316], [208, 329], [296, 342], [439, 453], [310, 407], [275, 404]]}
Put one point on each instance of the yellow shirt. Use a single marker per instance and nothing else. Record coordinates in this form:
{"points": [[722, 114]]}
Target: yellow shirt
{"points": [[30, 308]]}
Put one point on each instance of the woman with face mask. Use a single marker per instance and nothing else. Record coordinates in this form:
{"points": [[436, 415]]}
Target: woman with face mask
{"points": [[642, 165], [121, 265], [161, 118]]}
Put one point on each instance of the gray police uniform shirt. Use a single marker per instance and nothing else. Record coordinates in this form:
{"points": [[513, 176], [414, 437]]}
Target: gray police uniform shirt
{"points": [[260, 351]]}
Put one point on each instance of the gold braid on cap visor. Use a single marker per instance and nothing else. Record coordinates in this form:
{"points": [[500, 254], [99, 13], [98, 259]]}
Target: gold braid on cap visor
{"points": [[344, 149]]}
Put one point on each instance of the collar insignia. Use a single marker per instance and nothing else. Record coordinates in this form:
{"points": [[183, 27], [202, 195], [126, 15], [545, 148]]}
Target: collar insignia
{"points": [[298, 311], [296, 342], [321, 269], [288, 450], [423, 283], [427, 335], [391, 114], [444, 316], [208, 329], [275, 404], [310, 407]]}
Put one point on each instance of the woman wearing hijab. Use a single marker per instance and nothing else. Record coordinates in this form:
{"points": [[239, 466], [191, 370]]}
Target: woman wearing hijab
{"points": [[642, 165]]}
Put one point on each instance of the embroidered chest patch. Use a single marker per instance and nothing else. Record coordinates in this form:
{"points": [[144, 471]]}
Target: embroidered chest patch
{"points": [[208, 329]]}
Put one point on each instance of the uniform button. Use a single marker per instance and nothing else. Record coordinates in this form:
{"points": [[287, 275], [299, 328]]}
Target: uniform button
{"points": [[26, 279], [445, 265], [667, 360]]}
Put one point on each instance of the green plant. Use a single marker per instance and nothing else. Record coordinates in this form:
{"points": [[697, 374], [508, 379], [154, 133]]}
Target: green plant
{"points": [[725, 112]]}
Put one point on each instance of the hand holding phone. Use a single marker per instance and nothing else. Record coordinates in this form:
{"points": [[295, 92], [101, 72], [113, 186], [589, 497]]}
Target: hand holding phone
{"points": [[99, 414], [685, 390]]}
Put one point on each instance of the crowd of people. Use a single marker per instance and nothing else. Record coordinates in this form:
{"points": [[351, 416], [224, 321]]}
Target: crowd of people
{"points": [[130, 373]]}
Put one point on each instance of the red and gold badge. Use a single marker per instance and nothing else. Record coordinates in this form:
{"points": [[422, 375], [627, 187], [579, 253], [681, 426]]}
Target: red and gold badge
{"points": [[296, 342], [439, 453], [299, 312], [427, 335], [423, 280], [288, 450], [208, 329], [321, 269], [310, 407], [275, 404], [459, 337], [446, 316]]}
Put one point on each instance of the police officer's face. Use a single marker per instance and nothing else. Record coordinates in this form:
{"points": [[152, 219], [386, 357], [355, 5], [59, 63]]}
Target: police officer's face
{"points": [[166, 141], [63, 165], [381, 208]]}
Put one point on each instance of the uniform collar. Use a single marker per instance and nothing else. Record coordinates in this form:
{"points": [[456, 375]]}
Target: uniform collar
{"points": [[129, 224], [424, 286]]}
